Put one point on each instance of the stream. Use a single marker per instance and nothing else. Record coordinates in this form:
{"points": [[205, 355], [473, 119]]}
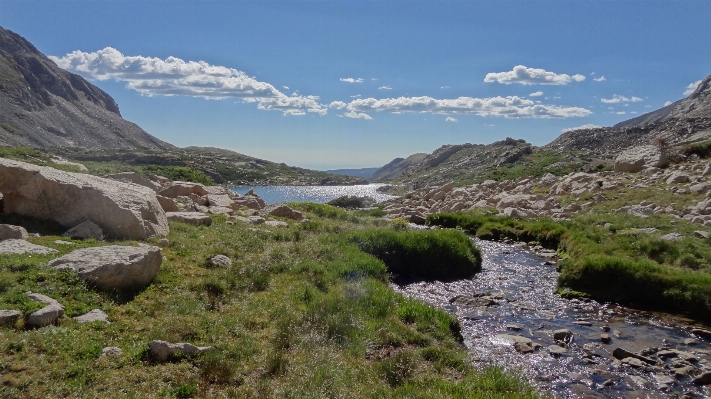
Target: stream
{"points": [[510, 312]]}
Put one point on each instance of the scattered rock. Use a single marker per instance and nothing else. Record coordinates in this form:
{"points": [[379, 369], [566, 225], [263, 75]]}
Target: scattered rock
{"points": [[605, 338], [556, 350], [183, 189], [583, 323], [514, 327], [194, 218], [620, 353], [48, 314], [93, 315], [563, 335], [276, 223], [8, 317], [672, 237], [121, 210], [113, 267], [691, 341], [256, 219], [283, 211], [8, 232], [703, 379], [163, 242], [62, 242], [702, 234], [220, 260], [168, 204], [85, 230], [701, 332], [162, 351], [14, 246], [677, 177], [111, 351], [523, 347]]}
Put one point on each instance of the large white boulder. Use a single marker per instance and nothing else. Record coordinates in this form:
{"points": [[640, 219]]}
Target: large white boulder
{"points": [[121, 210], [635, 159], [113, 267]]}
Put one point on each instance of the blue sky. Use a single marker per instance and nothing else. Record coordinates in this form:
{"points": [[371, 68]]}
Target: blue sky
{"points": [[341, 84]]}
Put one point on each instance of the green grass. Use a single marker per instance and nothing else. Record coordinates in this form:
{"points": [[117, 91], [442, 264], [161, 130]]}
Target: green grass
{"points": [[301, 312], [441, 254]]}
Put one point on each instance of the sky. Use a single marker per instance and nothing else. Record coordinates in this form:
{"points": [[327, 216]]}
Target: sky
{"points": [[349, 84]]}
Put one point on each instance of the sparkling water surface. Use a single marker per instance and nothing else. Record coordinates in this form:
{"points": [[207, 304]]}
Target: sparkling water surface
{"points": [[318, 194]]}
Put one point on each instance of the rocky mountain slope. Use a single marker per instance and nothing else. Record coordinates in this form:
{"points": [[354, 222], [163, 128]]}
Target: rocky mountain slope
{"points": [[397, 166], [42, 105], [685, 120]]}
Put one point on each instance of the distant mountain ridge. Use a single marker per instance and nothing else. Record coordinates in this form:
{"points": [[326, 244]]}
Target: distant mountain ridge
{"points": [[685, 120], [365, 173], [42, 105]]}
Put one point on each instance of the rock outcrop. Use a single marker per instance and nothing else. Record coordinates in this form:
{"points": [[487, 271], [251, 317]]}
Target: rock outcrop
{"points": [[635, 159], [121, 210], [113, 267]]}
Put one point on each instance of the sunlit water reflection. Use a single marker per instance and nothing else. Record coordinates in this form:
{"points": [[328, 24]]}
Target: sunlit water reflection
{"points": [[318, 194], [526, 291]]}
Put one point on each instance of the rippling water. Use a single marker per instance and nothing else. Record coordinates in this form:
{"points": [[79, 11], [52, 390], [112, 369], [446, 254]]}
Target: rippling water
{"points": [[527, 305], [318, 194]]}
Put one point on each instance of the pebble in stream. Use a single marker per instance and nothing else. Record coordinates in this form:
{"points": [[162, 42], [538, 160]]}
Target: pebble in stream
{"points": [[511, 317]]}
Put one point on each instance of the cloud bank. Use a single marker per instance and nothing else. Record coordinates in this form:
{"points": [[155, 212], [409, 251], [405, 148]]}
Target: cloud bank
{"points": [[586, 126], [616, 99], [691, 87], [174, 76], [532, 76], [508, 107]]}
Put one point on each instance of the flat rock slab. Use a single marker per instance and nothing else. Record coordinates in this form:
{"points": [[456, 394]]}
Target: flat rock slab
{"points": [[194, 218], [220, 260], [122, 210], [93, 315], [113, 267], [163, 351], [15, 246]]}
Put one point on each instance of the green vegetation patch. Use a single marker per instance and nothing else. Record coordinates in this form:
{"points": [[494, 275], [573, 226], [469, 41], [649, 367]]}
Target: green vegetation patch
{"points": [[432, 255]]}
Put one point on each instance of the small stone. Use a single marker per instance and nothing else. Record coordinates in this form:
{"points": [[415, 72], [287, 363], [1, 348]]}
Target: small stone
{"points": [[515, 327], [62, 242], [111, 351], [703, 379], [605, 338], [583, 323], [8, 231], [163, 351], [617, 333], [523, 347], [702, 234], [605, 328], [45, 316], [556, 350], [691, 341], [701, 332], [93, 315], [220, 260], [672, 237], [276, 223], [608, 383], [631, 361], [163, 242], [9, 316], [562, 335], [85, 230]]}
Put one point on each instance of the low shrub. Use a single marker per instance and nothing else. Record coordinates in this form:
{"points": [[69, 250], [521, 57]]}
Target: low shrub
{"points": [[431, 255]]}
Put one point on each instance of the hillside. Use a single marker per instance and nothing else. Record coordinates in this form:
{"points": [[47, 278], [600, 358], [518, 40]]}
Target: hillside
{"points": [[685, 120], [365, 173], [42, 105]]}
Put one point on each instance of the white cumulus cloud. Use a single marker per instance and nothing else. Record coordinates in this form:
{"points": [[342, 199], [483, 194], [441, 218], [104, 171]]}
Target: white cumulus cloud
{"points": [[600, 79], [385, 88], [450, 119], [536, 94], [338, 105], [170, 77], [352, 80], [532, 76], [508, 107], [357, 115], [586, 126], [691, 87], [616, 99]]}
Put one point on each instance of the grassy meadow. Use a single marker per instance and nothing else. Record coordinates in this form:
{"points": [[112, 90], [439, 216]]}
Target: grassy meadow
{"points": [[302, 312]]}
